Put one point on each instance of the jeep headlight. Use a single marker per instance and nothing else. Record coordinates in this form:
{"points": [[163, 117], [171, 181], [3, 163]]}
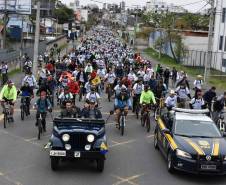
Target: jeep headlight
{"points": [[90, 138], [181, 153], [65, 137]]}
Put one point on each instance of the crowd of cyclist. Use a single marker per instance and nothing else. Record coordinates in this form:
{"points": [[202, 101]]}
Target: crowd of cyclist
{"points": [[103, 64]]}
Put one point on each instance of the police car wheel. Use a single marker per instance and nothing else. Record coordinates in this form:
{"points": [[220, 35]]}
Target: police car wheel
{"points": [[54, 163], [156, 141], [169, 163], [100, 165]]}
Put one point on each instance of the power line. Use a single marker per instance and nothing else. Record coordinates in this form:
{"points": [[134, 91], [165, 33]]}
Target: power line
{"points": [[202, 8]]}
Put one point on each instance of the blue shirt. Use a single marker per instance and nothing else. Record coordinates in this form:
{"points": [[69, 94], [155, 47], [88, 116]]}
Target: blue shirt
{"points": [[43, 105]]}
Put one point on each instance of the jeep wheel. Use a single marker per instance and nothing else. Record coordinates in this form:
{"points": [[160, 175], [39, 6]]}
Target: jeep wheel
{"points": [[100, 165], [156, 141], [169, 163], [54, 163]]}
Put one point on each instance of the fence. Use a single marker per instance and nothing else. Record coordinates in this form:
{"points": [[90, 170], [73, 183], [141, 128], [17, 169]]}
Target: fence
{"points": [[196, 58]]}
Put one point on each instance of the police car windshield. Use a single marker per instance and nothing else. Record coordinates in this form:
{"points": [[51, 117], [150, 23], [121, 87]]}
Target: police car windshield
{"points": [[193, 128]]}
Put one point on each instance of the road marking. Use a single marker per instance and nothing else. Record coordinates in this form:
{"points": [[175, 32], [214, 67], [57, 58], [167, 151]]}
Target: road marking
{"points": [[121, 143], [21, 138], [127, 179], [36, 139], [6, 177], [150, 136]]}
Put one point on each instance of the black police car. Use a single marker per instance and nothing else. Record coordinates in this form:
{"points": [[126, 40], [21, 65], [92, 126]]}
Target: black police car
{"points": [[191, 142], [78, 139]]}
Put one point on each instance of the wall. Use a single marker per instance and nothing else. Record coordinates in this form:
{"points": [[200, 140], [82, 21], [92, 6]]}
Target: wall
{"points": [[196, 43], [196, 52], [13, 57]]}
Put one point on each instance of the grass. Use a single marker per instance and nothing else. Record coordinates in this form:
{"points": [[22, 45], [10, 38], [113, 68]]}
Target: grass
{"points": [[218, 82]]}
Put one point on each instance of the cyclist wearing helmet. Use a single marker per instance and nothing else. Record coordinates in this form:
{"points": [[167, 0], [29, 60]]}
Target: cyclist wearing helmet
{"points": [[122, 101], [136, 92], [147, 97], [9, 94], [93, 95]]}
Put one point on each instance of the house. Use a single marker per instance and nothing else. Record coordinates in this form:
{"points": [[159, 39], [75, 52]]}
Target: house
{"points": [[49, 24], [28, 27]]}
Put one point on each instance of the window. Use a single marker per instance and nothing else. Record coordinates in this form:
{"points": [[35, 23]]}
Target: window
{"points": [[163, 6], [156, 6], [221, 43], [223, 62], [223, 15]]}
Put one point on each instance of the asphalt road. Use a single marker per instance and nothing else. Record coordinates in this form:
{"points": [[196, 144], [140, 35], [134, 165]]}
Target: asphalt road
{"points": [[132, 158]]}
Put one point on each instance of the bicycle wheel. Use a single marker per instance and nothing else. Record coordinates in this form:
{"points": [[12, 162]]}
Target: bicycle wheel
{"points": [[39, 129], [137, 111], [122, 123], [156, 113], [109, 94], [22, 112], [147, 123], [5, 120], [80, 95], [142, 120]]}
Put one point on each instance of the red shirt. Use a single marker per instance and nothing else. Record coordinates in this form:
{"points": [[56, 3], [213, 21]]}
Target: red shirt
{"points": [[73, 87], [49, 67]]}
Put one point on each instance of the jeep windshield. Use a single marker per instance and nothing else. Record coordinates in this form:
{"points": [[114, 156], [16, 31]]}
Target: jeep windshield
{"points": [[196, 128], [78, 123]]}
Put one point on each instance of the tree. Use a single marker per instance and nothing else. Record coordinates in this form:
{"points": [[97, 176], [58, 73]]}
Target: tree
{"points": [[166, 22], [63, 13], [195, 21]]}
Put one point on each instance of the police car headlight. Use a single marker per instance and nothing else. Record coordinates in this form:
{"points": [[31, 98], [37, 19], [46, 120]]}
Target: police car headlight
{"points": [[66, 137], [181, 153], [90, 138]]}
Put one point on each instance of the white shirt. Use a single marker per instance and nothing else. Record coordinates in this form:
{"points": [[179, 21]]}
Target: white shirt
{"points": [[132, 77], [197, 103], [141, 73], [30, 80], [198, 84], [171, 101], [147, 77], [138, 88], [93, 96], [110, 77], [101, 73], [63, 96], [118, 88], [182, 93]]}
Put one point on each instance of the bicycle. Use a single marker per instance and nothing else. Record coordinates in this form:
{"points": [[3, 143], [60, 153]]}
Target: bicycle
{"points": [[160, 106], [109, 91], [122, 121], [24, 107], [221, 122], [7, 114], [81, 91], [137, 106], [145, 118]]}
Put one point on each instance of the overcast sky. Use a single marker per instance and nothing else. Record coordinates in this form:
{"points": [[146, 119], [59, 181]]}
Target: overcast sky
{"points": [[193, 7]]}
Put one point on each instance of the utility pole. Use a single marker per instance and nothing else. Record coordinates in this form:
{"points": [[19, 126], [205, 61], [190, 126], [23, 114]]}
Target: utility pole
{"points": [[5, 24], [22, 37], [210, 42], [37, 33]]}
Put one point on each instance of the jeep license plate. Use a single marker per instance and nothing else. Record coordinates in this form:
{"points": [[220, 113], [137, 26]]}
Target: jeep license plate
{"points": [[208, 167], [77, 154]]}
